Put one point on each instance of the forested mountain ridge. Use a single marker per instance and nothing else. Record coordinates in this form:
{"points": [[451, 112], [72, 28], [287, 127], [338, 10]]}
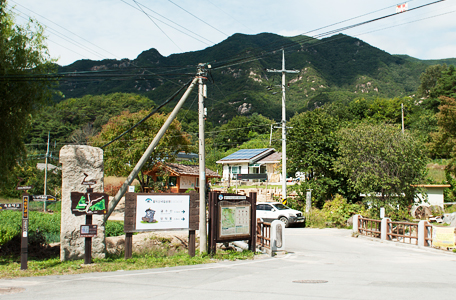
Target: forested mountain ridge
{"points": [[335, 68]]}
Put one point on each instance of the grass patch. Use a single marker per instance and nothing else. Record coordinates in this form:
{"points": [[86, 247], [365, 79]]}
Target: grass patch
{"points": [[10, 267]]}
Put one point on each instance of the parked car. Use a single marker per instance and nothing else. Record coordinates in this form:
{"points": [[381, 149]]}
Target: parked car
{"points": [[270, 211]]}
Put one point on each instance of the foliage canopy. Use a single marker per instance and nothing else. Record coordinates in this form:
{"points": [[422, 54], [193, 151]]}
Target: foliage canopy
{"points": [[121, 156], [380, 160], [23, 55]]}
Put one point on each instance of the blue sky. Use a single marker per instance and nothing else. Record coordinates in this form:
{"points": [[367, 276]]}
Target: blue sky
{"points": [[98, 29]]}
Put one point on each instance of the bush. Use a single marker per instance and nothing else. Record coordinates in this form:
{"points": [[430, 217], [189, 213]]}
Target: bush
{"points": [[114, 228], [338, 211], [47, 224], [315, 219]]}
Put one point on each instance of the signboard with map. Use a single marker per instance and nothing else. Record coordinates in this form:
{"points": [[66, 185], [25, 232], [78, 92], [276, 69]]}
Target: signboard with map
{"points": [[232, 217], [234, 220], [89, 203]]}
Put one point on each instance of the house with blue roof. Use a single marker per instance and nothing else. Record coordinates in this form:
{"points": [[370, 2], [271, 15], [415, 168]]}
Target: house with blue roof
{"points": [[252, 161]]}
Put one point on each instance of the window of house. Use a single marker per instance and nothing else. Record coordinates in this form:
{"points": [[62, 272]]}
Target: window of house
{"points": [[234, 170], [172, 180]]}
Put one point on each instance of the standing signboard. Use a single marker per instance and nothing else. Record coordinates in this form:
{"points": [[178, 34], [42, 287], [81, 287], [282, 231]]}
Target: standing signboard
{"points": [[232, 217], [155, 212], [151, 212], [88, 204], [25, 216]]}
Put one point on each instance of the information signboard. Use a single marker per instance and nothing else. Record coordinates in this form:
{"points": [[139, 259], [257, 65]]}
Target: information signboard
{"points": [[232, 217], [88, 230], [443, 237], [234, 220], [89, 203], [47, 198], [162, 212], [151, 212], [25, 206], [10, 206]]}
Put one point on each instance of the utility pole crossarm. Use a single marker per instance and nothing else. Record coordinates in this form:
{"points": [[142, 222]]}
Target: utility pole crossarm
{"points": [[280, 71]]}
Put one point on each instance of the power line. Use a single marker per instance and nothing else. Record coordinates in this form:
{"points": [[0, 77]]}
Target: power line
{"points": [[171, 22], [157, 25], [199, 18], [65, 29]]}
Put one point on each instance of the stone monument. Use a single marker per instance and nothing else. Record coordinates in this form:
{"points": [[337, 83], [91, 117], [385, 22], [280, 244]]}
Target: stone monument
{"points": [[77, 160]]}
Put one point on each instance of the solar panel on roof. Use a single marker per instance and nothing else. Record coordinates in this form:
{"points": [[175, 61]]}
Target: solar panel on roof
{"points": [[245, 154]]}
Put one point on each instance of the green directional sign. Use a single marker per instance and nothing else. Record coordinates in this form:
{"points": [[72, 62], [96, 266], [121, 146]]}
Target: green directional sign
{"points": [[89, 203]]}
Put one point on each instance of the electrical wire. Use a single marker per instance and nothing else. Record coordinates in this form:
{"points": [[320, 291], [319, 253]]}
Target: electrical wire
{"points": [[63, 28], [211, 43], [150, 18], [199, 19]]}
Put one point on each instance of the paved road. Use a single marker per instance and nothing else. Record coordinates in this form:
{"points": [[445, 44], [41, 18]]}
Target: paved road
{"points": [[354, 268]]}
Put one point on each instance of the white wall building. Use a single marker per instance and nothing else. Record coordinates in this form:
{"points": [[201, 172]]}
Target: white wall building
{"points": [[252, 161]]}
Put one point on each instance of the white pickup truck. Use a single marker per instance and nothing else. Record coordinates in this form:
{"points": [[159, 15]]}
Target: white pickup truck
{"points": [[270, 211]]}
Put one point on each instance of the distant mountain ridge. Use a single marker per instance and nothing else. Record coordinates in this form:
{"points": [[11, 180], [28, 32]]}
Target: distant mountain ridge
{"points": [[337, 68]]}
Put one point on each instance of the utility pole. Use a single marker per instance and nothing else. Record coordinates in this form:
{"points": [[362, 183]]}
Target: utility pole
{"points": [[284, 128], [46, 172], [202, 93]]}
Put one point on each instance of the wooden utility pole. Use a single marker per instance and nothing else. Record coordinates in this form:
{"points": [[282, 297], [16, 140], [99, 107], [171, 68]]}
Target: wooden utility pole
{"points": [[284, 128]]}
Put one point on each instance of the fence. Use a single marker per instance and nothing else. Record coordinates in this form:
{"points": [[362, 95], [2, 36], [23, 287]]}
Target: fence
{"points": [[403, 232], [369, 227], [427, 234], [406, 232], [263, 234]]}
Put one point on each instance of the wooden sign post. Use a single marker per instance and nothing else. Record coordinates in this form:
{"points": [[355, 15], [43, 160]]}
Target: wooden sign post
{"points": [[25, 216], [88, 204], [154, 212], [232, 217]]}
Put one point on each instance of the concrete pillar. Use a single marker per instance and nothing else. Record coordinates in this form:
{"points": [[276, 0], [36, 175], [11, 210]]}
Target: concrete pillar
{"points": [[277, 236], [355, 223], [384, 228], [77, 160]]}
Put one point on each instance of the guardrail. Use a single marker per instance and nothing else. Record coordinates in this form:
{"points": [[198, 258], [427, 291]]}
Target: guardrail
{"points": [[403, 232], [263, 234], [369, 227], [406, 232]]}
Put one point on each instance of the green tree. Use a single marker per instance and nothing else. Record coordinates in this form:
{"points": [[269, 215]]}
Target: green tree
{"points": [[27, 170], [379, 159], [121, 156], [240, 129], [311, 148], [428, 79], [446, 84], [23, 55], [74, 120], [444, 139]]}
